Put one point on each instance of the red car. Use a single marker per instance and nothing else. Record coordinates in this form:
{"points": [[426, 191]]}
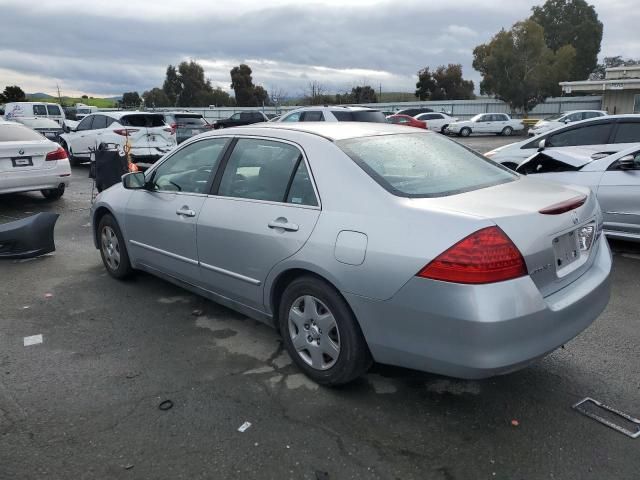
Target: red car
{"points": [[407, 120]]}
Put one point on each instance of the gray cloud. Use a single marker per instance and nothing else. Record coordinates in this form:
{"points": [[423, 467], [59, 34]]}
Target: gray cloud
{"points": [[88, 49]]}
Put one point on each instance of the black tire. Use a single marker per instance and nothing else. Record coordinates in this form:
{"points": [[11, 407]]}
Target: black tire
{"points": [[506, 131], [122, 268], [353, 358], [465, 132], [53, 193], [443, 129], [73, 161]]}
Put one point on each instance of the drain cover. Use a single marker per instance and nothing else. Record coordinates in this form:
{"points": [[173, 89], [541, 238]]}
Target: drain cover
{"points": [[609, 416]]}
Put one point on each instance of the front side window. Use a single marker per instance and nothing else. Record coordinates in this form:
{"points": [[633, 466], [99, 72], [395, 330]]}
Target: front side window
{"points": [[260, 170], [294, 117], [583, 135], [39, 110], [235, 116], [628, 132], [417, 165], [190, 168], [99, 121], [53, 110], [85, 124]]}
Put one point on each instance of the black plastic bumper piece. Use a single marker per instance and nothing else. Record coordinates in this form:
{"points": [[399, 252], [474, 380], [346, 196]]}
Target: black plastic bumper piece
{"points": [[29, 237]]}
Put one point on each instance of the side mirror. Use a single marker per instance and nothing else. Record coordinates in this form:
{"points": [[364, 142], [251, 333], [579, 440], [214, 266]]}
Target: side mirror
{"points": [[66, 128], [542, 145], [629, 162], [134, 181]]}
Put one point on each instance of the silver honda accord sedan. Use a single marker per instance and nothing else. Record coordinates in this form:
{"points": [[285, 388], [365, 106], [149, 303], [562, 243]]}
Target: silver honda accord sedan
{"points": [[366, 242]]}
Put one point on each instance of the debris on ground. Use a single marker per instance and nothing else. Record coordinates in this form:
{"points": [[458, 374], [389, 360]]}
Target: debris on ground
{"points": [[165, 405], [197, 313], [244, 427], [515, 423]]}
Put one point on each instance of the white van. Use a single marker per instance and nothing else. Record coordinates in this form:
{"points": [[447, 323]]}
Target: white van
{"points": [[83, 110], [53, 111]]}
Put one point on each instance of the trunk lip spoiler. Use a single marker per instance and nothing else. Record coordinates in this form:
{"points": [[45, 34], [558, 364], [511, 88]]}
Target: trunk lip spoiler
{"points": [[564, 206]]}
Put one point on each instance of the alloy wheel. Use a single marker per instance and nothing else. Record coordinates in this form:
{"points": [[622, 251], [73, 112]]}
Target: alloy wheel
{"points": [[110, 247]]}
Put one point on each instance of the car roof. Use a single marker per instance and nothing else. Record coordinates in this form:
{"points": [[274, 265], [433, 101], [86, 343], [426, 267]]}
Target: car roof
{"points": [[346, 108], [330, 130], [179, 112]]}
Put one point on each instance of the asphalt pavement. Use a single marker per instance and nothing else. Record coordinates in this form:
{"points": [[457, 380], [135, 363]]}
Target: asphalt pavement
{"points": [[84, 403]]}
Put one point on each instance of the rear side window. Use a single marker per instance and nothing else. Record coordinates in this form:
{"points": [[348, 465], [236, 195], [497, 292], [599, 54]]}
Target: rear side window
{"points": [[301, 191], [313, 117], [190, 120], [18, 133], [628, 132], [584, 135], [260, 170], [39, 110], [142, 120], [53, 110], [418, 165], [360, 116]]}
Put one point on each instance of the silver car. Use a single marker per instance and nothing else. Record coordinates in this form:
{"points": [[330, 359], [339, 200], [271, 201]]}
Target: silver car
{"points": [[614, 178], [366, 242]]}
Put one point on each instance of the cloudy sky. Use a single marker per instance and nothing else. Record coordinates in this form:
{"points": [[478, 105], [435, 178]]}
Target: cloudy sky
{"points": [[103, 48]]}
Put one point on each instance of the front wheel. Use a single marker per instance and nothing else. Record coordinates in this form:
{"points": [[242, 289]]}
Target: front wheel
{"points": [[113, 249], [507, 131], [443, 129], [321, 333], [465, 132]]}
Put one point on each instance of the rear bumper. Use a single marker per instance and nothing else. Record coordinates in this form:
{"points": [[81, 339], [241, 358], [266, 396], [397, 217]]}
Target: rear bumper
{"points": [[145, 157], [477, 331], [31, 180]]}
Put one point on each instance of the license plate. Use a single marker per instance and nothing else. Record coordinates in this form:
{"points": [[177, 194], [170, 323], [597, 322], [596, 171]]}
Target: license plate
{"points": [[22, 162], [569, 247]]}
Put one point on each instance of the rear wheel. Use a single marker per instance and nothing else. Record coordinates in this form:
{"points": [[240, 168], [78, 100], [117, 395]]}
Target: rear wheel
{"points": [[53, 193], [443, 129], [507, 131], [73, 161], [465, 132], [321, 333], [113, 249]]}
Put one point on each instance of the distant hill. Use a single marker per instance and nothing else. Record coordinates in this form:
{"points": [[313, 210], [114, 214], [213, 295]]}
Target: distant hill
{"points": [[71, 101]]}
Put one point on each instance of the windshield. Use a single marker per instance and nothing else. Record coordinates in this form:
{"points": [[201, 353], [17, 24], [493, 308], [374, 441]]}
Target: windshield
{"points": [[554, 117], [360, 116], [419, 165]]}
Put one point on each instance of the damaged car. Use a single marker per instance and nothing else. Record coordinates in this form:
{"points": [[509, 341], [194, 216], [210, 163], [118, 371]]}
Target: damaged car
{"points": [[615, 179]]}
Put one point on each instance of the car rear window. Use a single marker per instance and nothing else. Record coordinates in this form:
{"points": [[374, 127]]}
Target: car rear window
{"points": [[18, 133], [142, 120], [360, 116], [419, 165], [190, 120]]}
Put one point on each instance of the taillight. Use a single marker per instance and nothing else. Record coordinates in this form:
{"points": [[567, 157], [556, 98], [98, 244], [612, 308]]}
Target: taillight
{"points": [[485, 256], [125, 132], [59, 154], [565, 206], [174, 127]]}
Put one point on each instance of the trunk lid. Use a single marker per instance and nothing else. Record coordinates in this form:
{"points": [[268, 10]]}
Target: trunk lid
{"points": [[550, 244], [147, 131], [25, 155]]}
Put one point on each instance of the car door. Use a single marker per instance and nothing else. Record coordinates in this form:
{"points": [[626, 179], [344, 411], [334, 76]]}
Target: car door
{"points": [[79, 140], [161, 220], [619, 197], [263, 208], [98, 128], [483, 124]]}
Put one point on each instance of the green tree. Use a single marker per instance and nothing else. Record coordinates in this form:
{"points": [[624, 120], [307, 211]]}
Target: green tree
{"points": [[363, 94], [519, 68], [242, 85], [610, 62], [261, 96], [172, 85], [156, 97], [445, 83], [14, 93], [131, 99], [572, 22]]}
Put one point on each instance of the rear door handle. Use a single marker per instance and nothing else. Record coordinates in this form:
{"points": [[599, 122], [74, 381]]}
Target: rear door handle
{"points": [[185, 212], [283, 224]]}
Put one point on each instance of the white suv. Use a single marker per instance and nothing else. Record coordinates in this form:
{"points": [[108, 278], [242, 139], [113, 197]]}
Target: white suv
{"points": [[561, 119], [333, 114], [149, 136]]}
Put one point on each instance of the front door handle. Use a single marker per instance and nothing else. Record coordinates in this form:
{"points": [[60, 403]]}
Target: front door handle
{"points": [[284, 224], [185, 212]]}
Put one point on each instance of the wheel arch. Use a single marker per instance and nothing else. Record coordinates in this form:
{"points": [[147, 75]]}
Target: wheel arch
{"points": [[100, 212]]}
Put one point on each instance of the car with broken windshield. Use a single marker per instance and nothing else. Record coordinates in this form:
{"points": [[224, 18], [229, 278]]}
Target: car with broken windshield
{"points": [[365, 242]]}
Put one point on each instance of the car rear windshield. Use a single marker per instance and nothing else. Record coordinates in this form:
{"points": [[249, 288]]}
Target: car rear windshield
{"points": [[142, 120], [360, 116], [423, 165], [18, 133], [190, 120]]}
